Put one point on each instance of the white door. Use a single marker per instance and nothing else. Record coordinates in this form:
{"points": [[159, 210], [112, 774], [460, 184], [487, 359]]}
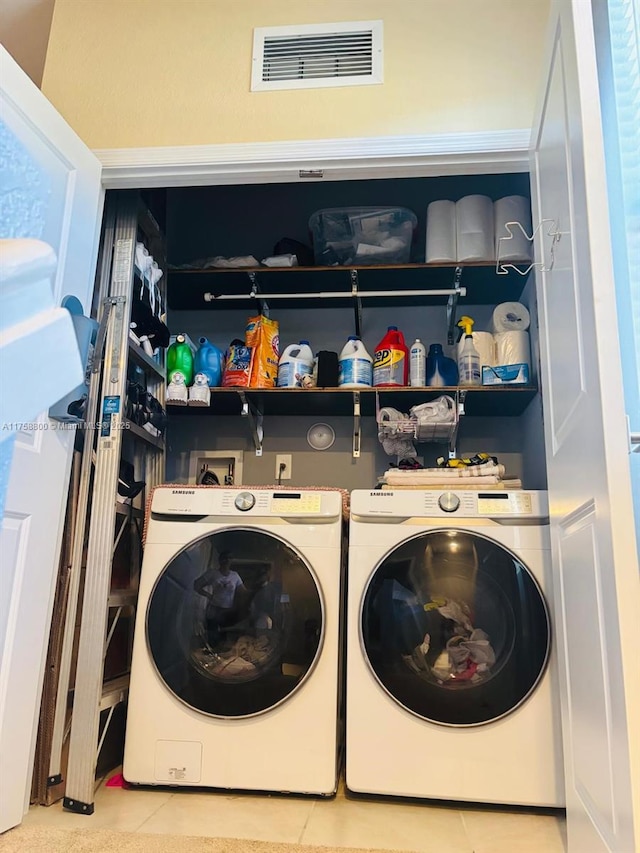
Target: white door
{"points": [[50, 190], [597, 587]]}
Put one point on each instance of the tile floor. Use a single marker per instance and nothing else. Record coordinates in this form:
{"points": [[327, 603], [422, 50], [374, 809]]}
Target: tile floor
{"points": [[345, 821]]}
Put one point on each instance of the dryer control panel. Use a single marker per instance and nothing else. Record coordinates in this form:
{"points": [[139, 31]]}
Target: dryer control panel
{"points": [[448, 503]]}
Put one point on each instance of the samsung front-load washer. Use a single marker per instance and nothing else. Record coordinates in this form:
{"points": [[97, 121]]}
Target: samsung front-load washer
{"points": [[234, 679], [451, 683]]}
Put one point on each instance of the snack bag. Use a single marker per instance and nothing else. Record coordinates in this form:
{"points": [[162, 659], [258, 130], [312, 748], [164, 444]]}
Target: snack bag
{"points": [[237, 369], [261, 334]]}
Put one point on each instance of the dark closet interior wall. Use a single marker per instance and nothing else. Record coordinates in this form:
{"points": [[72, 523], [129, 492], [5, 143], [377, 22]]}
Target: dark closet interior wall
{"points": [[239, 220], [250, 219]]}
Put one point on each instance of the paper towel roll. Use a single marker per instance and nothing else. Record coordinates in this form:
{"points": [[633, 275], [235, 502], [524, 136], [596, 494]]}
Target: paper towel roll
{"points": [[512, 348], [441, 232], [512, 208], [510, 317], [474, 228], [485, 344]]}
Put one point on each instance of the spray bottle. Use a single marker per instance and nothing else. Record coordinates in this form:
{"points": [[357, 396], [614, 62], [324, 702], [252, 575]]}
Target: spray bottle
{"points": [[468, 356]]}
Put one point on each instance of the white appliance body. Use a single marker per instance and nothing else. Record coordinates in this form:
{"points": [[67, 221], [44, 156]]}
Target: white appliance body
{"points": [[399, 741], [262, 719]]}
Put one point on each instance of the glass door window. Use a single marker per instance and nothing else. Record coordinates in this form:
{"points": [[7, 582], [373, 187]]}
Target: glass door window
{"points": [[235, 623], [455, 628]]}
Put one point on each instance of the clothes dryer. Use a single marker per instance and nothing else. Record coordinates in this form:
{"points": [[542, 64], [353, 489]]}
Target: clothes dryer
{"points": [[450, 667], [234, 680]]}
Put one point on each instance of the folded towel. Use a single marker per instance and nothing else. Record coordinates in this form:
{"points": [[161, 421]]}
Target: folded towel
{"points": [[461, 486], [417, 478], [472, 472]]}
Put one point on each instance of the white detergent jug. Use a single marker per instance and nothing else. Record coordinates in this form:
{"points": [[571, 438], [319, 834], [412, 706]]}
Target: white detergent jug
{"points": [[355, 365], [295, 363]]}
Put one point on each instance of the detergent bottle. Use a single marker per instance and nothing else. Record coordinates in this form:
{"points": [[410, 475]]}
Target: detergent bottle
{"points": [[210, 361], [468, 356], [295, 363], [391, 360], [441, 371], [355, 365], [180, 359]]}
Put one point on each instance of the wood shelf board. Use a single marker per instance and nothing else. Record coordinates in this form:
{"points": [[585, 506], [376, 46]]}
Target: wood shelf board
{"points": [[142, 435], [483, 400], [147, 363]]}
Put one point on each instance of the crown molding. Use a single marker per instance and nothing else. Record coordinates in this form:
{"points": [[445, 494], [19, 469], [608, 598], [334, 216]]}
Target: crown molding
{"points": [[338, 159]]}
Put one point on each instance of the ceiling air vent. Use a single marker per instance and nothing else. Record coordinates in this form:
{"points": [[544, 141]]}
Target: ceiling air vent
{"points": [[317, 55]]}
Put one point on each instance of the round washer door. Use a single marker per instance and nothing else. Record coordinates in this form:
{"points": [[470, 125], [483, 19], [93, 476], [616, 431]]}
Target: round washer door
{"points": [[455, 628], [235, 623]]}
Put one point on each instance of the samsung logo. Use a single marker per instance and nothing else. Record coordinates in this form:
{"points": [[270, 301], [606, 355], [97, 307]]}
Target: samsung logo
{"points": [[183, 491], [380, 494]]}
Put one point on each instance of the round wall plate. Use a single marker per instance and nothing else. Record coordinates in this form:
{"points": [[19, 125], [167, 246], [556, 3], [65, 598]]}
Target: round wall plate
{"points": [[321, 436]]}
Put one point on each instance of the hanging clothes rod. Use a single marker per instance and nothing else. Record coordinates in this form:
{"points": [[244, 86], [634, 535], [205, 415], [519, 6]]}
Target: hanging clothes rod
{"points": [[462, 291]]}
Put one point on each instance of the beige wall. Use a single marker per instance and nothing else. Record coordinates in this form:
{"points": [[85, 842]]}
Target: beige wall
{"points": [[177, 72], [24, 32]]}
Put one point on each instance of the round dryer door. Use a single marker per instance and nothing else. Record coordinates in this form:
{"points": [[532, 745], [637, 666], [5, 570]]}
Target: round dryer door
{"points": [[455, 628], [235, 623]]}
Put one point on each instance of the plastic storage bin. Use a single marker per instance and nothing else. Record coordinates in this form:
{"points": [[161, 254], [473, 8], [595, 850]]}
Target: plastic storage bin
{"points": [[362, 235]]}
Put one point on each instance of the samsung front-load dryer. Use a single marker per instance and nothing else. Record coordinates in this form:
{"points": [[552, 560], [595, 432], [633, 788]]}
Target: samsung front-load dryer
{"points": [[451, 683], [234, 679]]}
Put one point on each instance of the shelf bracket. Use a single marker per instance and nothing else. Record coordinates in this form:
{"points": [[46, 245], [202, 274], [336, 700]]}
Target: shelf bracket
{"points": [[255, 418], [356, 425], [255, 294], [452, 304], [357, 304]]}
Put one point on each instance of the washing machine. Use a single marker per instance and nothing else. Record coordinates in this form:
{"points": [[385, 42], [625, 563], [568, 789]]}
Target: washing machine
{"points": [[234, 678], [451, 682]]}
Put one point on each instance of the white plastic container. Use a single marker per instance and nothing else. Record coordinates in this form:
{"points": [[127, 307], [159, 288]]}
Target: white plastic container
{"points": [[355, 365], [295, 363], [417, 364]]}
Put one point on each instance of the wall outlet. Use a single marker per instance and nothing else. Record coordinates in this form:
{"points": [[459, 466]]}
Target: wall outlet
{"points": [[284, 473]]}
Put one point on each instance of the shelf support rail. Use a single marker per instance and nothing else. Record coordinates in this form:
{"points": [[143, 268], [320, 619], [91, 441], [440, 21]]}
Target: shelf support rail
{"points": [[356, 425], [452, 304], [255, 418], [357, 304]]}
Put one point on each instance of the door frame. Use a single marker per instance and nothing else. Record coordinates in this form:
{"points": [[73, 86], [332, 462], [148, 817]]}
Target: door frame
{"points": [[496, 152]]}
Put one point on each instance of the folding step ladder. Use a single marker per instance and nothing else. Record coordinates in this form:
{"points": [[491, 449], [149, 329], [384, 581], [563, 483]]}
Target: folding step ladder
{"points": [[106, 423]]}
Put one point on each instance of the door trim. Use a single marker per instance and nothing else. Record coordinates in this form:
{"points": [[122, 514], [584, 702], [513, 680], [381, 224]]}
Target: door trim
{"points": [[474, 153]]}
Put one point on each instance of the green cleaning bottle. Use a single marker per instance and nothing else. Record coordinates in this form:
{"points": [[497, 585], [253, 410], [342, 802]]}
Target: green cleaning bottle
{"points": [[468, 357], [180, 358]]}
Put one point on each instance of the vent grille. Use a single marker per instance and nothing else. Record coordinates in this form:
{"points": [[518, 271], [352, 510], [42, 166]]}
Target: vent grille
{"points": [[346, 54]]}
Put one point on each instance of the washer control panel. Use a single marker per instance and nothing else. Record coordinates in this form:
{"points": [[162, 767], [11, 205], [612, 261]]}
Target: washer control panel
{"points": [[501, 504]]}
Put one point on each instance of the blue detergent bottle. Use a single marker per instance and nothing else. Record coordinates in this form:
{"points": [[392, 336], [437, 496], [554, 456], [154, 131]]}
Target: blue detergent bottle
{"points": [[441, 371], [210, 361]]}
